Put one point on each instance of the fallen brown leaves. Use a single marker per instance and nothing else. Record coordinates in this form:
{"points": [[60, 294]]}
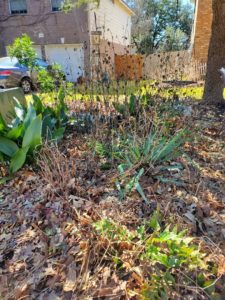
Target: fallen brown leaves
{"points": [[48, 249]]}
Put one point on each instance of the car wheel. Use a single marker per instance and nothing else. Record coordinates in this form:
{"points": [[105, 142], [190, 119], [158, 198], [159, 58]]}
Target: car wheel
{"points": [[26, 85]]}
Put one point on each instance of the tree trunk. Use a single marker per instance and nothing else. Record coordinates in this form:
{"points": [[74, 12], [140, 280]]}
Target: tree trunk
{"points": [[213, 92]]}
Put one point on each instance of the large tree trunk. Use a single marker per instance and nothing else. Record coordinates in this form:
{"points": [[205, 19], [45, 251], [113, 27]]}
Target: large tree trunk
{"points": [[213, 93]]}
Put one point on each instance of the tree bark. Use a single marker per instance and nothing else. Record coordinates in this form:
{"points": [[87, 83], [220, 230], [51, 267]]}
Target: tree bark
{"points": [[213, 92]]}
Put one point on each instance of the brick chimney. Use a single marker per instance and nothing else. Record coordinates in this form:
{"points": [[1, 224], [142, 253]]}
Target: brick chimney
{"points": [[202, 30]]}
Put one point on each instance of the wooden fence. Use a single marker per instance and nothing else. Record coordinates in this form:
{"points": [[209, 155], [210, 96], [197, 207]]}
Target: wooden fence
{"points": [[129, 67], [167, 65], [160, 66], [197, 70]]}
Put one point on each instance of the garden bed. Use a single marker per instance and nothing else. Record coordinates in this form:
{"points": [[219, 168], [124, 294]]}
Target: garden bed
{"points": [[67, 231]]}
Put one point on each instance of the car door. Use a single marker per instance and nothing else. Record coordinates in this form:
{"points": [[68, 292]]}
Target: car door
{"points": [[19, 73], [11, 69]]}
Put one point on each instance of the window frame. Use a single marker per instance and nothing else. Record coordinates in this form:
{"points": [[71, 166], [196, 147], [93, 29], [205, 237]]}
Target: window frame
{"points": [[55, 10], [19, 12]]}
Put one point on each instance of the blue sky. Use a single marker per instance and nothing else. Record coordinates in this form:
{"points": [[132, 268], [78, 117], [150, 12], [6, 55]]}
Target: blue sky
{"points": [[187, 1]]}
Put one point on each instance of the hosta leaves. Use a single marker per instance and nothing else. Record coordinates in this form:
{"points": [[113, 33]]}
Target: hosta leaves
{"points": [[7, 146], [19, 109], [32, 137], [18, 159], [2, 124], [30, 115], [1, 157], [16, 132], [28, 126], [48, 124]]}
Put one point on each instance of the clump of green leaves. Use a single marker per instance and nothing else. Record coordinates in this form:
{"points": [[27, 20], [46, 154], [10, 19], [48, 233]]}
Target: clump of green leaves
{"points": [[21, 137], [127, 183], [130, 107], [24, 135], [155, 149], [111, 151], [22, 48], [165, 252], [113, 231], [45, 81], [49, 79], [135, 156], [57, 73]]}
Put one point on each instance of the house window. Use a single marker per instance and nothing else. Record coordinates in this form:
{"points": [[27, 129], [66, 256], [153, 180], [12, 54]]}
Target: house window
{"points": [[18, 7], [57, 5]]}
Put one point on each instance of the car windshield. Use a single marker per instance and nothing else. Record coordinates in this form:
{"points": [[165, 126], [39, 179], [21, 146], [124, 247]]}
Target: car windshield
{"points": [[8, 62], [41, 63]]}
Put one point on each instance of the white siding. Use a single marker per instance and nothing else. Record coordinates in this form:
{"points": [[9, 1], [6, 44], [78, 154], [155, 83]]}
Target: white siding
{"points": [[113, 21]]}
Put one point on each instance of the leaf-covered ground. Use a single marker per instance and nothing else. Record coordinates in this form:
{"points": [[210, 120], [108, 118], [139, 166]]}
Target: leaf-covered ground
{"points": [[49, 248]]}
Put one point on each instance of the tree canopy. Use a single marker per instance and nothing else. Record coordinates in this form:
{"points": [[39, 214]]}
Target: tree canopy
{"points": [[161, 25]]}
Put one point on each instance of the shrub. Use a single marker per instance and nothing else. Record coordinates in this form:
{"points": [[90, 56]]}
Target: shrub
{"points": [[45, 81], [24, 135], [22, 48]]}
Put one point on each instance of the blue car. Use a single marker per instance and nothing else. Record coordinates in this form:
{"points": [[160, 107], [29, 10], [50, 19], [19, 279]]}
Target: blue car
{"points": [[13, 74]]}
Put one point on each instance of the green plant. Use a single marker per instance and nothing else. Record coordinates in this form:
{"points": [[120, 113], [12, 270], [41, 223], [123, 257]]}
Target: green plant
{"points": [[113, 231], [55, 70], [101, 149], [49, 79], [45, 81], [169, 251], [24, 135], [139, 155], [125, 184], [128, 108], [135, 156], [165, 252], [156, 148], [27, 136], [22, 48]]}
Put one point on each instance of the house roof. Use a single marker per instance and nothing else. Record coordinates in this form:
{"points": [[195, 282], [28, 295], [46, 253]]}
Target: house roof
{"points": [[126, 7]]}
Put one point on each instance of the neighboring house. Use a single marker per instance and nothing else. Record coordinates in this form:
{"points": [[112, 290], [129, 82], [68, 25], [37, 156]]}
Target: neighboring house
{"points": [[202, 29], [78, 40]]}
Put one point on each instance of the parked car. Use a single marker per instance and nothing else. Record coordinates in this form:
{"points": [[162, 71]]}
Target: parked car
{"points": [[13, 74]]}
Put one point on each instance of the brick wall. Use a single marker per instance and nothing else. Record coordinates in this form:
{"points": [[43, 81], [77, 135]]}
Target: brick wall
{"points": [[73, 27], [203, 24], [41, 19]]}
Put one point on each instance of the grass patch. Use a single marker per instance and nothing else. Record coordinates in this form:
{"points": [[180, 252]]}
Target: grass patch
{"points": [[119, 91]]}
